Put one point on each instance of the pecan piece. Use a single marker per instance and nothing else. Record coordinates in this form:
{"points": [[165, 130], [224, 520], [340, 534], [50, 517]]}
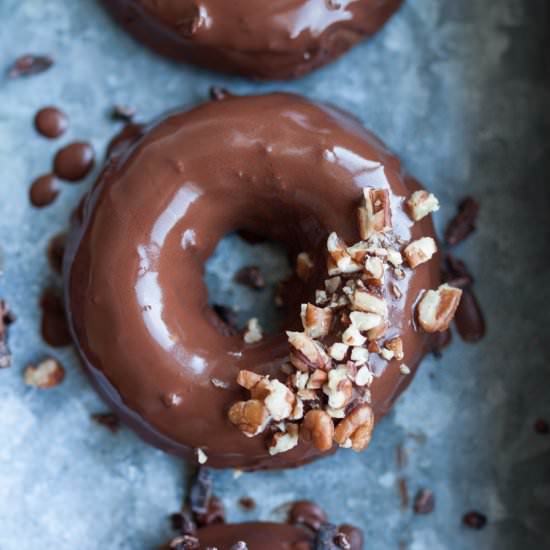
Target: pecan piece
{"points": [[421, 203], [284, 441], [355, 430], [47, 374], [306, 353], [420, 251], [316, 320], [318, 428], [374, 215], [437, 308], [250, 416], [363, 300]]}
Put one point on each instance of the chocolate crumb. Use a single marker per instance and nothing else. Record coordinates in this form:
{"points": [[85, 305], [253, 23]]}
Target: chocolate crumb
{"points": [[541, 426], [474, 520], [403, 493], [247, 503], [124, 113], [250, 276], [107, 420], [464, 223], [469, 318], [28, 65], [217, 93], [401, 456], [6, 319], [56, 251], [424, 502]]}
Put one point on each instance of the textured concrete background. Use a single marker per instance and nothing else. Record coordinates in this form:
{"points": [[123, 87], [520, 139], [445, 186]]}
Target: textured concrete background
{"points": [[460, 91]]}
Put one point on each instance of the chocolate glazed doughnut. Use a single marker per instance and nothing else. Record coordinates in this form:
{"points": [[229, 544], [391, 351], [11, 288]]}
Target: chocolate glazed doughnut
{"points": [[278, 39], [276, 165]]}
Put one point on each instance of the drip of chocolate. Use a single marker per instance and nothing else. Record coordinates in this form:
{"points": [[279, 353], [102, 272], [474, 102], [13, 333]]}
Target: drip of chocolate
{"points": [[51, 122], [44, 190], [54, 326], [74, 162]]}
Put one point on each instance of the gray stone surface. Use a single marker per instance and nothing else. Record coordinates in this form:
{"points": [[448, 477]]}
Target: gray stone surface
{"points": [[461, 91]]}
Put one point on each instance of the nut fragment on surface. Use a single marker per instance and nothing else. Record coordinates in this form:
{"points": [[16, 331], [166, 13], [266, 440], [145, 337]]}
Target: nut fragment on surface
{"points": [[338, 388], [364, 377], [421, 203], [284, 441], [355, 430], [280, 401], [253, 332], [374, 215], [341, 259], [420, 251], [316, 320], [338, 351], [47, 374], [304, 266], [202, 457], [436, 308], [251, 417], [363, 300], [306, 353], [318, 428], [395, 345]]}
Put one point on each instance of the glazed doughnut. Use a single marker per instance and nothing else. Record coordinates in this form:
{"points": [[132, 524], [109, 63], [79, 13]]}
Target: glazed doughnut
{"points": [[270, 40], [307, 176]]}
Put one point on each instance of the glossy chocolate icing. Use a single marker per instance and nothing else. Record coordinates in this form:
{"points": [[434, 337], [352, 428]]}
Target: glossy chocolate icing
{"points": [[271, 40], [275, 165]]}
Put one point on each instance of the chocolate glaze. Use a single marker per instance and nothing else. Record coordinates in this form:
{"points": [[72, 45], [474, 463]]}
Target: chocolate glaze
{"points": [[278, 39], [51, 122], [44, 190], [54, 325], [137, 304], [74, 162]]}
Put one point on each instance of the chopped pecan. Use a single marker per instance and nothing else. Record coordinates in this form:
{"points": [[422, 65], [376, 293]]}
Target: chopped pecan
{"points": [[284, 441], [316, 320], [280, 401], [251, 417], [374, 268], [364, 377], [253, 332], [333, 284], [363, 300], [352, 335], [338, 351], [317, 379], [420, 251], [304, 266], [343, 262], [365, 321], [306, 353], [374, 215], [359, 355], [421, 203], [338, 388], [395, 345], [47, 374], [437, 308], [355, 430], [318, 428]]}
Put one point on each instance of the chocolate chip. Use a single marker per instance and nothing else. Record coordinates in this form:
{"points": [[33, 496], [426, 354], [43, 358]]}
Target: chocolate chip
{"points": [[469, 318], [474, 520], [464, 223], [217, 94], [123, 113], [307, 513], [28, 65], [455, 272], [107, 420], [250, 276], [6, 319], [247, 503], [439, 341], [541, 426], [325, 539], [424, 502], [201, 492]]}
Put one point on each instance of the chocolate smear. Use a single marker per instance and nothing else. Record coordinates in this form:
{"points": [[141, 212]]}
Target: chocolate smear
{"points": [[424, 502], [247, 503], [107, 420], [464, 223], [439, 341], [30, 64], [201, 492], [455, 272], [403, 493], [6, 318]]}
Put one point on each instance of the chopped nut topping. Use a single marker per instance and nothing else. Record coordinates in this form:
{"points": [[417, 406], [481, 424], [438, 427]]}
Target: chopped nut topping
{"points": [[253, 332], [437, 308], [339, 388], [316, 320], [365, 321], [352, 336], [317, 379], [421, 203], [306, 353], [333, 284], [321, 297], [338, 351], [285, 440], [374, 215], [318, 428], [363, 300], [304, 266], [359, 355], [404, 369], [355, 430], [280, 402], [343, 262], [364, 377], [395, 345], [420, 251], [394, 257], [219, 383], [374, 268], [251, 417], [47, 374]]}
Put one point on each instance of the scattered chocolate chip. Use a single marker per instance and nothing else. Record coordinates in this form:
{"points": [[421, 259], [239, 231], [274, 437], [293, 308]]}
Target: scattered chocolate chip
{"points": [[424, 502], [28, 65], [455, 272], [239, 546], [44, 190], [56, 251], [439, 341], [6, 319], [474, 520], [464, 223], [250, 276], [51, 122], [469, 318], [107, 420], [124, 113], [403, 493], [74, 161], [541, 426], [201, 492], [247, 503], [304, 512], [217, 94], [325, 537], [47, 374]]}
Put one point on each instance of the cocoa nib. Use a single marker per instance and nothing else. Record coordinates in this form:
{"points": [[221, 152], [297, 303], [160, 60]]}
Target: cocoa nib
{"points": [[124, 113], [250, 276], [28, 65], [541, 426], [6, 319], [107, 420], [464, 223], [474, 520], [424, 502], [469, 318]]}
